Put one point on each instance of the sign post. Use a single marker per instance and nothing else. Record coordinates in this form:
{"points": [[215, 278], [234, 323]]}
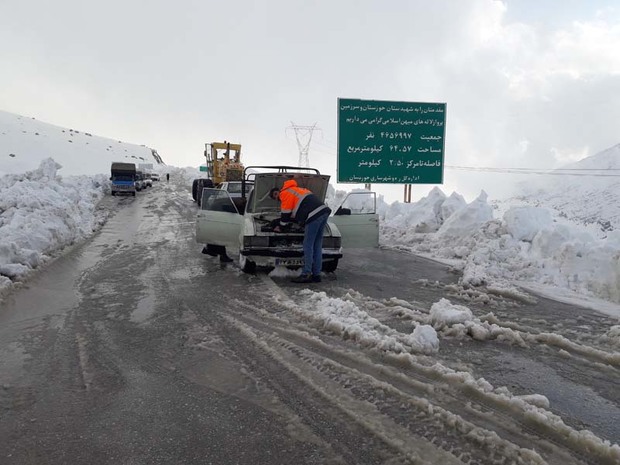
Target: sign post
{"points": [[390, 142]]}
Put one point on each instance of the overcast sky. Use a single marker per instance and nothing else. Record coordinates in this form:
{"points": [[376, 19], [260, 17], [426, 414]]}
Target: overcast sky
{"points": [[528, 83]]}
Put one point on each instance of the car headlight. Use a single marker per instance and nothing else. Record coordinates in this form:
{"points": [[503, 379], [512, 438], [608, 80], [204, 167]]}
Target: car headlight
{"points": [[255, 241]]}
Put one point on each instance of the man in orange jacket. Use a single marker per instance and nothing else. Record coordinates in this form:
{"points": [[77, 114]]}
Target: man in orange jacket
{"points": [[302, 206]]}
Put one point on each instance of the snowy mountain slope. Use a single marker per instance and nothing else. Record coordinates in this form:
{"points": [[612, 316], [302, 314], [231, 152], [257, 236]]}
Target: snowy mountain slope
{"points": [[25, 142], [591, 196]]}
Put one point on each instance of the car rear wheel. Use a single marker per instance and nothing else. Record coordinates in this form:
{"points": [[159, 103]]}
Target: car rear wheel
{"points": [[246, 265]]}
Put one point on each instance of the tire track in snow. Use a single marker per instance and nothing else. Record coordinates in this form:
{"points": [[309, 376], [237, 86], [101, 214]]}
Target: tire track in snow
{"points": [[583, 447]]}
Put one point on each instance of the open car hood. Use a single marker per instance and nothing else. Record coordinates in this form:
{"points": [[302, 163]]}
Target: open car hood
{"points": [[260, 201]]}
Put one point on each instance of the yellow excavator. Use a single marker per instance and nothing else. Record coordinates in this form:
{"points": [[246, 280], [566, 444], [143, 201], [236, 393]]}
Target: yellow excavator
{"points": [[223, 162]]}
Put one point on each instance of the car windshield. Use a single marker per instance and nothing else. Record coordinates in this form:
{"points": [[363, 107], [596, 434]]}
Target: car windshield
{"points": [[234, 187], [260, 201]]}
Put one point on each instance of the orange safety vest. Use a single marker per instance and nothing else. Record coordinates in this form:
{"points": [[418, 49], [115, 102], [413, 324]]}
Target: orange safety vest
{"points": [[291, 196]]}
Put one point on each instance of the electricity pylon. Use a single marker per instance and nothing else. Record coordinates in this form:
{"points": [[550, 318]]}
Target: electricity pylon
{"points": [[303, 134]]}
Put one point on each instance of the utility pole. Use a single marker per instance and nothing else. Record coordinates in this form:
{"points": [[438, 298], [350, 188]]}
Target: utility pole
{"points": [[303, 134]]}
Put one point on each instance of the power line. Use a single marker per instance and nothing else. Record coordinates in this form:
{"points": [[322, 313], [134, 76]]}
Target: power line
{"points": [[555, 172], [536, 171], [323, 151], [327, 146]]}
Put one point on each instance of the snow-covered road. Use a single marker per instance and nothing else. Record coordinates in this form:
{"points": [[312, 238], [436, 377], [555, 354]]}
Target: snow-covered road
{"points": [[136, 348]]}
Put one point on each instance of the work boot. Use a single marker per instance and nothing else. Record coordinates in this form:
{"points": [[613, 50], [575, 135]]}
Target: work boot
{"points": [[316, 278], [302, 278]]}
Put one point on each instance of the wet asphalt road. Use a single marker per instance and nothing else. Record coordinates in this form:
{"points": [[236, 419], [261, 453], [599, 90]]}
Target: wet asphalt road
{"points": [[134, 348]]}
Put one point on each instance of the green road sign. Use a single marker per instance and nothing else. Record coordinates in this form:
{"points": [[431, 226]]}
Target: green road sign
{"points": [[390, 142]]}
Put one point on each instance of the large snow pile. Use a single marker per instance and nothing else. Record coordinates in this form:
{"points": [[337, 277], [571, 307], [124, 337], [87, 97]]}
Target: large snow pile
{"points": [[527, 244], [424, 216], [41, 213]]}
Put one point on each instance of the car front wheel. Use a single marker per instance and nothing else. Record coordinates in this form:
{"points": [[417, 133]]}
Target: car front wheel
{"points": [[330, 266], [247, 266]]}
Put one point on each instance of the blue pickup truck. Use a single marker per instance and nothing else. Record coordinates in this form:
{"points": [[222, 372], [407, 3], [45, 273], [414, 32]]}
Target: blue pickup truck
{"points": [[123, 178]]}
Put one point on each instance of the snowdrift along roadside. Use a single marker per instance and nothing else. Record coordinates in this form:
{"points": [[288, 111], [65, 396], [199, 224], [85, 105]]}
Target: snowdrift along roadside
{"points": [[41, 213]]}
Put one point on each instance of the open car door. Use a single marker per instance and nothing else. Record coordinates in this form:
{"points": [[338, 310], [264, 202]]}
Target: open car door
{"points": [[357, 220], [218, 221]]}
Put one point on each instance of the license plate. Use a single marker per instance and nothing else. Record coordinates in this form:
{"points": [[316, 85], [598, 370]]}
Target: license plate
{"points": [[289, 261]]}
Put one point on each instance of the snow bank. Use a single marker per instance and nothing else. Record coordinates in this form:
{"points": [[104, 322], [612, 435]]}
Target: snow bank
{"points": [[526, 245], [468, 219], [41, 213], [525, 222], [423, 216]]}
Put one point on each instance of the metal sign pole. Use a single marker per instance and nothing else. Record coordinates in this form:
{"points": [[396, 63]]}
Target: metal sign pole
{"points": [[407, 196]]}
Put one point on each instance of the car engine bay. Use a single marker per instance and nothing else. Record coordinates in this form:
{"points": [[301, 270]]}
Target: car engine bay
{"points": [[267, 224]]}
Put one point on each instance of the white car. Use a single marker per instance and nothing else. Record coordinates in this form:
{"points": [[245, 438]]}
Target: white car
{"points": [[234, 188], [155, 176], [244, 224], [140, 182]]}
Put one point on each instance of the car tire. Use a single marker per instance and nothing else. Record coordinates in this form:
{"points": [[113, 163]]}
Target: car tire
{"points": [[195, 189], [133, 194], [330, 266], [199, 193], [247, 266], [199, 188]]}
